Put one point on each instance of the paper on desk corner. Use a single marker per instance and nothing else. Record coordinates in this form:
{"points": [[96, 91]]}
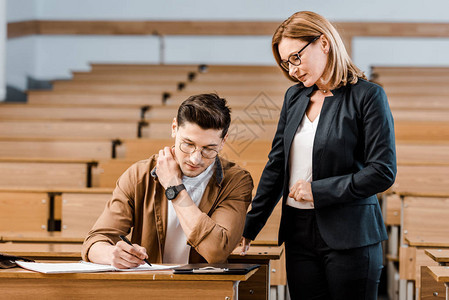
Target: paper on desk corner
{"points": [[82, 267]]}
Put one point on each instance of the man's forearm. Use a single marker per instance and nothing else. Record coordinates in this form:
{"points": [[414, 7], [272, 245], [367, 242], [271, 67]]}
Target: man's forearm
{"points": [[100, 253], [186, 210]]}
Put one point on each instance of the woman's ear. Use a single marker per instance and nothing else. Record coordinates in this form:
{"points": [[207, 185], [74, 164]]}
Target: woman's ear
{"points": [[324, 44]]}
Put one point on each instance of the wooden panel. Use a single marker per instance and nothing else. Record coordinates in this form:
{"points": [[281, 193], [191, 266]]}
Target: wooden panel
{"points": [[422, 215], [414, 115], [72, 287], [269, 233], [43, 251], [278, 271], [393, 216], [251, 289], [22, 28], [137, 149], [421, 260], [93, 98], [407, 263], [23, 211], [26, 128], [109, 171], [422, 153], [80, 211], [401, 101], [89, 149], [438, 255], [216, 28], [422, 131], [113, 86], [422, 180], [29, 174], [60, 112], [255, 168], [430, 288], [173, 76]]}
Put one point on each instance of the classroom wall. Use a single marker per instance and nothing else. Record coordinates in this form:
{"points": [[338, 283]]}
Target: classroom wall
{"points": [[2, 49], [51, 57]]}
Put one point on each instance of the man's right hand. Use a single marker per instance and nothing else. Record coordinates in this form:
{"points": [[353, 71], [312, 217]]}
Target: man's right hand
{"points": [[124, 256]]}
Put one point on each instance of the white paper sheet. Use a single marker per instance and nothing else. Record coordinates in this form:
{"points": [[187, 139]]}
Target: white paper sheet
{"points": [[83, 267]]}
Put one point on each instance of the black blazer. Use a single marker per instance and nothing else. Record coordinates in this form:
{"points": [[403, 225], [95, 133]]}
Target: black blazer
{"points": [[354, 158]]}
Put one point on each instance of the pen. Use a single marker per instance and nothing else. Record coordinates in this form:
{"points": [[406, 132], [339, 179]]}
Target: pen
{"points": [[129, 243]]}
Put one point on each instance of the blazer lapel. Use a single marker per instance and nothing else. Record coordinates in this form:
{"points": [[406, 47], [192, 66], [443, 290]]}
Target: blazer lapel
{"points": [[328, 113]]}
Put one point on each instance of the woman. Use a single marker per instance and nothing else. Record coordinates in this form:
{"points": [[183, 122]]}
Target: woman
{"points": [[333, 151]]}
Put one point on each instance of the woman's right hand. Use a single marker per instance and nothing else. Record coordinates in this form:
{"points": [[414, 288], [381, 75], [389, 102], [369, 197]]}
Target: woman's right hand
{"points": [[245, 245]]}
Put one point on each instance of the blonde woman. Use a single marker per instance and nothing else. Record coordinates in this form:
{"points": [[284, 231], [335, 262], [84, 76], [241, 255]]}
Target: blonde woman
{"points": [[333, 151]]}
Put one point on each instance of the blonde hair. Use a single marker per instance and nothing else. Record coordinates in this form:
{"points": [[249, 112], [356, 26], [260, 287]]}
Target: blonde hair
{"points": [[306, 25]]}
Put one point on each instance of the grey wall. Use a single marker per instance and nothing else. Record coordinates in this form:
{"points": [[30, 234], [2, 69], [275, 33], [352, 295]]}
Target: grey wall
{"points": [[2, 49], [50, 57]]}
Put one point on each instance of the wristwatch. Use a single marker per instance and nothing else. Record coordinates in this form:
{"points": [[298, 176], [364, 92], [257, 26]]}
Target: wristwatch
{"points": [[172, 191]]}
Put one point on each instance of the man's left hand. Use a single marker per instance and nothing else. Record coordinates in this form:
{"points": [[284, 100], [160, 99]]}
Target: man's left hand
{"points": [[167, 169]]}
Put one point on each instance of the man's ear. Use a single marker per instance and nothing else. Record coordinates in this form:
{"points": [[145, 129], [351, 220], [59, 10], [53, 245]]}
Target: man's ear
{"points": [[174, 128], [223, 141]]}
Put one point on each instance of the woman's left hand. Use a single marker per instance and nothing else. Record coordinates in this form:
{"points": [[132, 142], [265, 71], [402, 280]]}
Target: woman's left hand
{"points": [[301, 191]]}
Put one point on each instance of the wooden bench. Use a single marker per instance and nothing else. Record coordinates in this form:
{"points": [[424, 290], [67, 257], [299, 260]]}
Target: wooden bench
{"points": [[433, 153], [60, 147], [71, 112], [112, 86], [46, 172], [424, 225], [136, 67], [103, 129], [94, 98], [71, 211], [21, 211], [403, 101], [131, 75]]}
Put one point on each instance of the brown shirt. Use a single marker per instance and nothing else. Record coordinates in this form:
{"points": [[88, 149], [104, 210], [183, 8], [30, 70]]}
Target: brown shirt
{"points": [[139, 204]]}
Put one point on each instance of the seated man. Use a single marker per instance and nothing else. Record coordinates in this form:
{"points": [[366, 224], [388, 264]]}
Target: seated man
{"points": [[184, 205]]}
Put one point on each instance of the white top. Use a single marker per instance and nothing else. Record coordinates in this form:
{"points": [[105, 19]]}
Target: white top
{"points": [[301, 158], [176, 250]]}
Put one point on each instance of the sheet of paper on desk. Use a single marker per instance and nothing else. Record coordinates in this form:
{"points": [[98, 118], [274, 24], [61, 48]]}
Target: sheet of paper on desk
{"points": [[83, 267]]}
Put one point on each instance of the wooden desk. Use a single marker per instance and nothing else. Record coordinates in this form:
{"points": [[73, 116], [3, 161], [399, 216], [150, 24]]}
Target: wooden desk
{"points": [[258, 287], [441, 256], [441, 275], [20, 284], [43, 251], [433, 240], [414, 259]]}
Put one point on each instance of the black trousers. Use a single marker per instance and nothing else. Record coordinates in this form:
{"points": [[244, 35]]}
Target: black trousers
{"points": [[315, 271]]}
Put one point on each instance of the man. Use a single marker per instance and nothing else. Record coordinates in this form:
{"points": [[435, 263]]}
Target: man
{"points": [[184, 205]]}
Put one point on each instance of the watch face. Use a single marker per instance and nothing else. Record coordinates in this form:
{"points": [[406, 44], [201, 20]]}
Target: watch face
{"points": [[170, 193]]}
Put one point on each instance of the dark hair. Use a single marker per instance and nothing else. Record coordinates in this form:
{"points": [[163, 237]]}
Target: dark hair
{"points": [[208, 111]]}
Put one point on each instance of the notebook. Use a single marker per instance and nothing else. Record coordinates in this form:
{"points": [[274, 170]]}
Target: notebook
{"points": [[84, 267]]}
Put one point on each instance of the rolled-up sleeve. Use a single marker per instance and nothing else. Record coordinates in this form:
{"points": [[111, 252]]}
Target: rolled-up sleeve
{"points": [[117, 217], [214, 237]]}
